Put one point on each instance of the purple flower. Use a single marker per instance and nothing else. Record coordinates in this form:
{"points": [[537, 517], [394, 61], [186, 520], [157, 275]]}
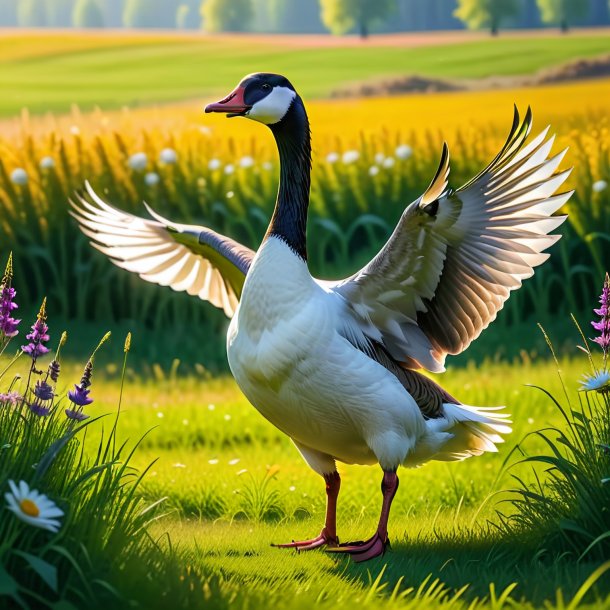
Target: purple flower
{"points": [[76, 414], [38, 336], [43, 391], [39, 409], [80, 396], [603, 325], [11, 397], [8, 324]]}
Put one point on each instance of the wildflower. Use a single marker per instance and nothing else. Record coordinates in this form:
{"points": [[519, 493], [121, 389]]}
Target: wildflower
{"points": [[54, 366], [403, 152], [230, 194], [332, 157], [379, 157], [350, 156], [246, 162], [138, 161], [213, 462], [32, 507], [599, 186], [168, 156], [373, 170], [80, 394], [389, 162], [598, 382], [8, 324], [267, 166], [229, 168], [76, 414], [47, 163], [604, 323], [19, 176], [151, 178], [214, 164], [75, 130], [38, 337], [12, 397], [39, 409], [43, 391]]}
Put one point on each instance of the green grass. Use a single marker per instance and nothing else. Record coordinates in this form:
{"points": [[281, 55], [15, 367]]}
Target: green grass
{"points": [[234, 484], [46, 72]]}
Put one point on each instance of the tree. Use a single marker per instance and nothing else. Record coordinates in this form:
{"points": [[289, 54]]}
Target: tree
{"points": [[87, 14], [227, 15], [149, 14], [341, 16], [8, 13], [562, 12], [477, 14], [32, 13]]}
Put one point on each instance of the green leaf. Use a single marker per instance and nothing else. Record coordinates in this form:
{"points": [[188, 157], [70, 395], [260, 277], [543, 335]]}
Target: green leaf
{"points": [[8, 585], [63, 604], [44, 569]]}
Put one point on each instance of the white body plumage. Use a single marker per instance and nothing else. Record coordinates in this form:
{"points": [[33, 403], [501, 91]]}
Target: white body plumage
{"points": [[336, 403]]}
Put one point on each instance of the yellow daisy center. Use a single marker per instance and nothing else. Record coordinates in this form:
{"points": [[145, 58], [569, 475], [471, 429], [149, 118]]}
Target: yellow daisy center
{"points": [[29, 508]]}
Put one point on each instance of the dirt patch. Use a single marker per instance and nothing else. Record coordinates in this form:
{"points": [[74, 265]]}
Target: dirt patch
{"points": [[580, 69]]}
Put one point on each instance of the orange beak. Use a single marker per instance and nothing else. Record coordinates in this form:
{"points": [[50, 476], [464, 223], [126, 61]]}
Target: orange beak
{"points": [[232, 105]]}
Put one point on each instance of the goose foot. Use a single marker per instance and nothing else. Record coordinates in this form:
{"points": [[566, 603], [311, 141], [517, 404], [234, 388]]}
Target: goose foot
{"points": [[324, 539], [363, 550]]}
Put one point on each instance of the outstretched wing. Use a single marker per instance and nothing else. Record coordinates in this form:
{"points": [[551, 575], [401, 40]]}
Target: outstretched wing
{"points": [[184, 257], [455, 256]]}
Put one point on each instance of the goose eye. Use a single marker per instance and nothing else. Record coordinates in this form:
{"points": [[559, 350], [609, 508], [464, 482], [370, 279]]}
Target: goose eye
{"points": [[266, 87]]}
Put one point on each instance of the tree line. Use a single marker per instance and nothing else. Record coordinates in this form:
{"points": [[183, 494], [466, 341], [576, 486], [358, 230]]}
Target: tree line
{"points": [[315, 16]]}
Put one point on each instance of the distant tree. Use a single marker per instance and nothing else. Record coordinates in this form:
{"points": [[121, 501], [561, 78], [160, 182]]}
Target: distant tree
{"points": [[291, 16], [149, 14], [87, 14], [478, 14], [59, 13], [227, 15], [32, 13], [341, 16], [562, 12]]}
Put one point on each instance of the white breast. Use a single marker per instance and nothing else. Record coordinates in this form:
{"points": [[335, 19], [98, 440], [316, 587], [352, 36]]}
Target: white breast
{"points": [[303, 376]]}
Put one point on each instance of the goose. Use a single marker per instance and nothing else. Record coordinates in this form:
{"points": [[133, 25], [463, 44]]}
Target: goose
{"points": [[336, 365]]}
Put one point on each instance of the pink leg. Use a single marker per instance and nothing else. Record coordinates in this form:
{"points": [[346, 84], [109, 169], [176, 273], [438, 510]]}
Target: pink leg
{"points": [[328, 535], [377, 544]]}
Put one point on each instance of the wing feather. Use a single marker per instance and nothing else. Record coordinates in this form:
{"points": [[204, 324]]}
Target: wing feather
{"points": [[455, 256], [186, 258]]}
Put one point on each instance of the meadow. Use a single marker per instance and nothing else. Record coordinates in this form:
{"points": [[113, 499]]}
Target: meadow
{"points": [[177, 500], [51, 72]]}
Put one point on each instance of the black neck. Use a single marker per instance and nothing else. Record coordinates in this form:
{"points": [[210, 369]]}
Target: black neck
{"points": [[289, 220]]}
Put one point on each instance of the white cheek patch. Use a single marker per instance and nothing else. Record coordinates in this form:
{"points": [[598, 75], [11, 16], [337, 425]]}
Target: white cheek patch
{"points": [[273, 107]]}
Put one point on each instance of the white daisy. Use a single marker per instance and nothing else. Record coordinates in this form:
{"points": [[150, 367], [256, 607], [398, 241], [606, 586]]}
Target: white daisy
{"points": [[350, 156], [267, 166], [404, 151], [379, 157], [246, 161], [32, 507], [47, 163], [138, 161], [373, 170], [598, 382], [599, 186], [214, 164], [19, 176], [151, 179], [229, 168], [389, 162], [332, 157], [168, 156]]}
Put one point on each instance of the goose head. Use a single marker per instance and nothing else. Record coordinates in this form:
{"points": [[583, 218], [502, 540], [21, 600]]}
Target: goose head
{"points": [[263, 97]]}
